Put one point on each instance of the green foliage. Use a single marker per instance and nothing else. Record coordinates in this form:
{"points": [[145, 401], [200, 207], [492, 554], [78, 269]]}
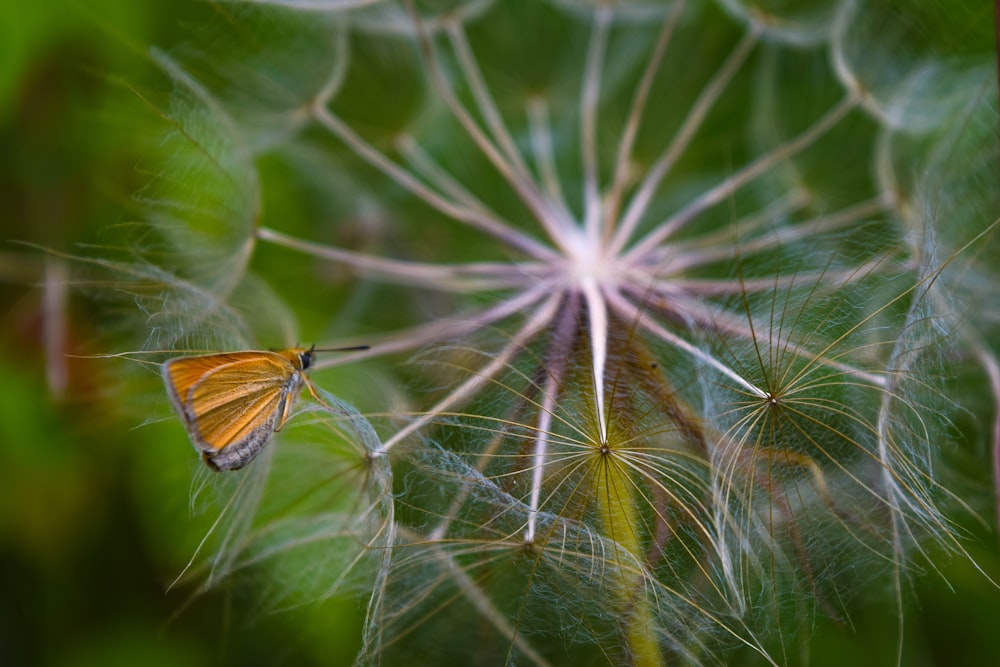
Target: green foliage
{"points": [[678, 318]]}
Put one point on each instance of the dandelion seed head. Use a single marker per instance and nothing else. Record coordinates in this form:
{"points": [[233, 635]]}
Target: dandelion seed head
{"points": [[673, 368]]}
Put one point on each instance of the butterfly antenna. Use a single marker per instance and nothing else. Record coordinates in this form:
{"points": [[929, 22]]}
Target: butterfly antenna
{"points": [[353, 348]]}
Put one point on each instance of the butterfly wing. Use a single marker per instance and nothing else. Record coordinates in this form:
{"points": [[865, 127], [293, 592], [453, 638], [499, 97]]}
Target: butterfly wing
{"points": [[231, 403]]}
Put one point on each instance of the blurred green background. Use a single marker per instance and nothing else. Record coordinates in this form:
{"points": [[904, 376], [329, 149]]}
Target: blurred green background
{"points": [[94, 502]]}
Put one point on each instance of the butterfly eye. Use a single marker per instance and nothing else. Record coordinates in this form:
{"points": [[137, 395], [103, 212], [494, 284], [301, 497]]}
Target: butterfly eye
{"points": [[305, 358]]}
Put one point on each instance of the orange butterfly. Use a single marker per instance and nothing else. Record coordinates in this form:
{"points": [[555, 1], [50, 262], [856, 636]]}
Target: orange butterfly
{"points": [[231, 403]]}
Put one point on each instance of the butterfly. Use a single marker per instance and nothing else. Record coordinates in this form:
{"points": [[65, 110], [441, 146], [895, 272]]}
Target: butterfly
{"points": [[231, 403]]}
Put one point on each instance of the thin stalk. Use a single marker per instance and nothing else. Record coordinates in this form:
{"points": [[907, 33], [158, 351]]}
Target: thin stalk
{"points": [[543, 152], [495, 227], [589, 101], [550, 219], [620, 517], [629, 312], [484, 100], [538, 320], [684, 255], [992, 368], [635, 114], [692, 123], [441, 329], [424, 164], [598, 318], [556, 358], [463, 278], [748, 173]]}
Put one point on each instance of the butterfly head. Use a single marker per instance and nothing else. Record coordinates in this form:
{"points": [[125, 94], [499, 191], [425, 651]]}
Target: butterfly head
{"points": [[306, 357]]}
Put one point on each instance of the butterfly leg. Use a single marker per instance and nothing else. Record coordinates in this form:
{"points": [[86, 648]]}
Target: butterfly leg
{"points": [[285, 409], [312, 392]]}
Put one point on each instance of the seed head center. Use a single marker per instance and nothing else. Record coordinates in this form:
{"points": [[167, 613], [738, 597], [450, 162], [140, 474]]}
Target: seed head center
{"points": [[588, 261]]}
